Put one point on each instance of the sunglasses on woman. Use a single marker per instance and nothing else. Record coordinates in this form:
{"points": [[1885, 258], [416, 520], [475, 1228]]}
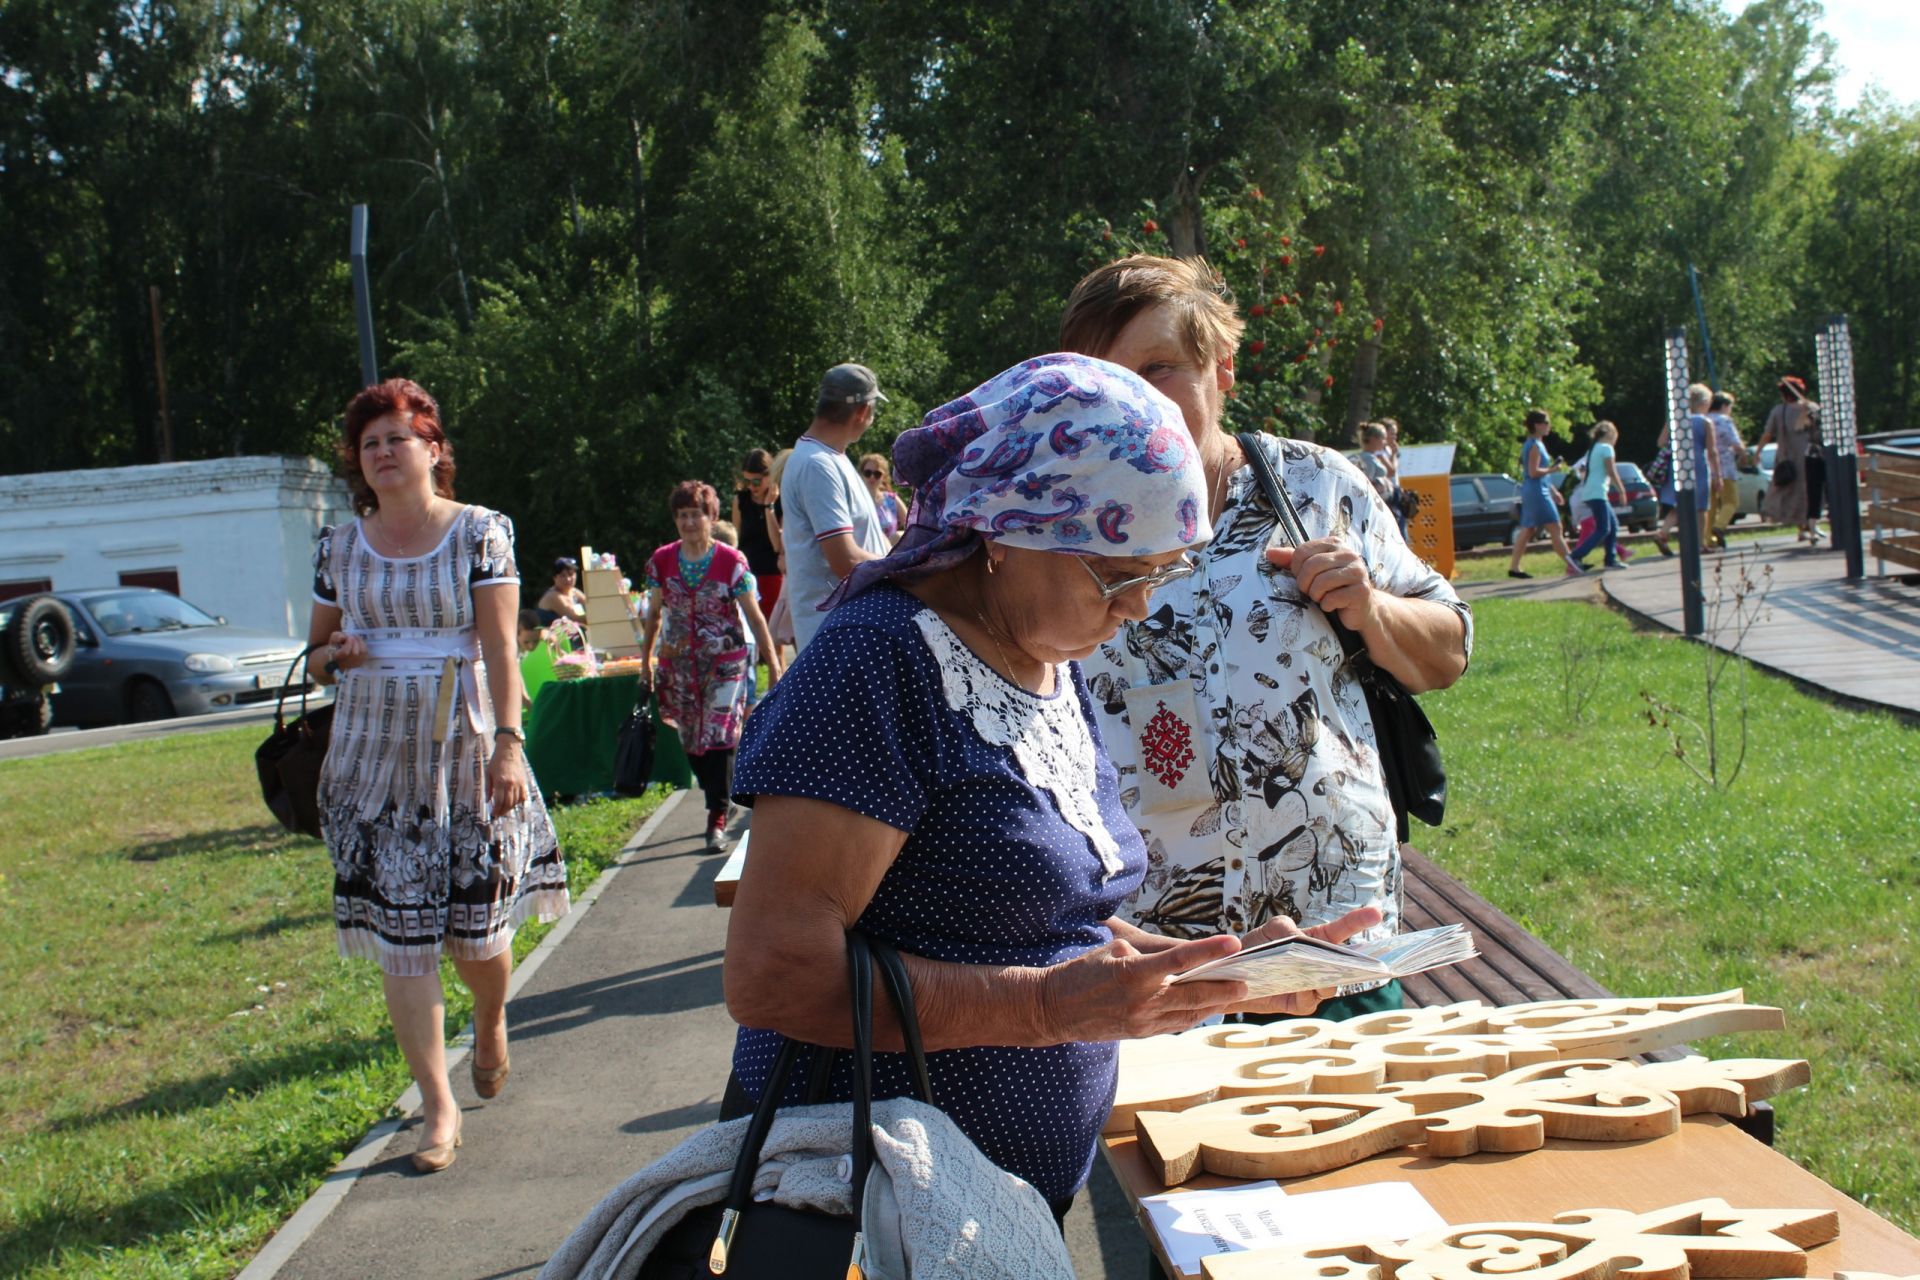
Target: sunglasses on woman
{"points": [[1160, 577], [873, 475]]}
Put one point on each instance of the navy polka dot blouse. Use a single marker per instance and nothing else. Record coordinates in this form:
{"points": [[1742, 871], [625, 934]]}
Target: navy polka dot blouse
{"points": [[990, 872]]}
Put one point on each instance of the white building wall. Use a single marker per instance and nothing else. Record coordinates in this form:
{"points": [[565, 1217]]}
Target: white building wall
{"points": [[239, 531]]}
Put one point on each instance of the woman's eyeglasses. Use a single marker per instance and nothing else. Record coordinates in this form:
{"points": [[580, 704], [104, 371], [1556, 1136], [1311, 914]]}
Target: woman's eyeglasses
{"points": [[874, 475], [1160, 577], [753, 477]]}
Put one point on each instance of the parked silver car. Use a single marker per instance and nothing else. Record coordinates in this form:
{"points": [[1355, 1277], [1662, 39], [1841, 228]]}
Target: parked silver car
{"points": [[1752, 484], [145, 654]]}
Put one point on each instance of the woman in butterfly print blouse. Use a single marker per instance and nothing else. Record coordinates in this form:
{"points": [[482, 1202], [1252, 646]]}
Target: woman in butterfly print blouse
{"points": [[440, 842], [1294, 821]]}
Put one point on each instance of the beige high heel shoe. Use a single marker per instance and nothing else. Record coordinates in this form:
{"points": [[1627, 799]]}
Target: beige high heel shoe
{"points": [[438, 1156], [488, 1081]]}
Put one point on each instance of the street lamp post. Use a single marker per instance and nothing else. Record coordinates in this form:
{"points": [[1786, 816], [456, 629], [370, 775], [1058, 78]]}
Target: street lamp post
{"points": [[1685, 469]]}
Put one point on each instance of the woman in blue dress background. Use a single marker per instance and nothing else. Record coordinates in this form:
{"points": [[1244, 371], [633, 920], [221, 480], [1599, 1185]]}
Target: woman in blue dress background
{"points": [[1539, 502], [929, 770]]}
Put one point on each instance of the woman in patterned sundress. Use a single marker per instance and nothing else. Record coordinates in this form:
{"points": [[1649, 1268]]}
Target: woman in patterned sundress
{"points": [[440, 842], [700, 603]]}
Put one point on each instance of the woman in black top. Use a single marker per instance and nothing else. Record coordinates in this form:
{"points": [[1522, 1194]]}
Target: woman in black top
{"points": [[756, 514]]}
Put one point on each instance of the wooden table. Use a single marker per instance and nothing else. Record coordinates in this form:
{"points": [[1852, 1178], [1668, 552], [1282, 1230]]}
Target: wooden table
{"points": [[1708, 1157]]}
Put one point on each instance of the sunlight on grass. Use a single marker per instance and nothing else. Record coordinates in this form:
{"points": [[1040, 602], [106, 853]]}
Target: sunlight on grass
{"points": [[1798, 884], [185, 1056]]}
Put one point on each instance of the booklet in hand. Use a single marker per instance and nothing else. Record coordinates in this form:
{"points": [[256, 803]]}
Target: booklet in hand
{"points": [[1305, 964]]}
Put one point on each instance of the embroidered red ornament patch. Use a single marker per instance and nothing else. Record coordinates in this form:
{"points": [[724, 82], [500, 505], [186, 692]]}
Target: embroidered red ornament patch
{"points": [[1166, 747]]}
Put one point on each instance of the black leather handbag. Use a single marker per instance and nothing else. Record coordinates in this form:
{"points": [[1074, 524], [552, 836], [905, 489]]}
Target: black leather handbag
{"points": [[1409, 752], [290, 760], [633, 749], [746, 1239]]}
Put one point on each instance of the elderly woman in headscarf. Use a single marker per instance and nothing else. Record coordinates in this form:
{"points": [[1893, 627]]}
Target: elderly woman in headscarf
{"points": [[929, 771]]}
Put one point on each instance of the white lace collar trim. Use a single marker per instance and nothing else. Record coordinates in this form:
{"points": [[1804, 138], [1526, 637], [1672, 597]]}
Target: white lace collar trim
{"points": [[1048, 736]]}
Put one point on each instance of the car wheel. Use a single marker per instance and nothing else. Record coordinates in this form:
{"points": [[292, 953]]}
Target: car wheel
{"points": [[146, 700], [26, 718], [38, 643]]}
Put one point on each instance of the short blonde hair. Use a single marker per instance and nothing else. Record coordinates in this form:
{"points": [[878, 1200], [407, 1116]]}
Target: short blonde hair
{"points": [[779, 467], [723, 531], [1699, 393], [1108, 298]]}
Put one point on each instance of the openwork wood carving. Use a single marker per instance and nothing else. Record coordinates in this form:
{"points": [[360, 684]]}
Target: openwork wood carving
{"points": [[1207, 1064], [1702, 1239], [1293, 1135]]}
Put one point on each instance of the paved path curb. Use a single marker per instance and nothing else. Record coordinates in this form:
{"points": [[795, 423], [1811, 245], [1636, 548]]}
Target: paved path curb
{"points": [[268, 1262]]}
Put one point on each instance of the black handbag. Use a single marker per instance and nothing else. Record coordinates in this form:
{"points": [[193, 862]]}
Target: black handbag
{"points": [[1409, 752], [290, 760], [758, 1240], [633, 749]]}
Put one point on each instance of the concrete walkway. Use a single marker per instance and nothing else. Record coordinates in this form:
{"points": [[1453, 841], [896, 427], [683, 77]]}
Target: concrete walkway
{"points": [[621, 1044]]}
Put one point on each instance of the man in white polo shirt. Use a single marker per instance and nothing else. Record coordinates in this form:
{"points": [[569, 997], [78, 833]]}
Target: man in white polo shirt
{"points": [[827, 519]]}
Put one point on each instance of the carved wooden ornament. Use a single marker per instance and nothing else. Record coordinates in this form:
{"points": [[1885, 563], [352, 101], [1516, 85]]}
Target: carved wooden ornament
{"points": [[1700, 1240], [1308, 1055], [1291, 1136]]}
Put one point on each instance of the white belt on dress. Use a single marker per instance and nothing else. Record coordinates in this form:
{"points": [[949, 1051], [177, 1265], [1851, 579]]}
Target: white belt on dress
{"points": [[452, 655]]}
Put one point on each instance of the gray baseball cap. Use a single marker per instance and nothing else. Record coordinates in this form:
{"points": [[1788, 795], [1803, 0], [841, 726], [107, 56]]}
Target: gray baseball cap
{"points": [[850, 384]]}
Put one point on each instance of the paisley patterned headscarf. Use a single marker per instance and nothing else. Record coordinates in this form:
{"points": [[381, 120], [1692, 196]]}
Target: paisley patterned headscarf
{"points": [[1059, 453]]}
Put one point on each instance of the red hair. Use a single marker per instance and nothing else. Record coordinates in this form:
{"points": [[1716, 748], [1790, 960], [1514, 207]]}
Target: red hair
{"points": [[695, 493], [394, 396]]}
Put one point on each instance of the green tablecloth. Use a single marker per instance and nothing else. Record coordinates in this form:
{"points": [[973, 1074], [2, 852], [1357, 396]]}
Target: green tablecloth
{"points": [[575, 726]]}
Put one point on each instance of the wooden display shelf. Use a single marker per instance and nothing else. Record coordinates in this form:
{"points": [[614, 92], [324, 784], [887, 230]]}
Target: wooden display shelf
{"points": [[608, 609], [1708, 1157], [600, 582]]}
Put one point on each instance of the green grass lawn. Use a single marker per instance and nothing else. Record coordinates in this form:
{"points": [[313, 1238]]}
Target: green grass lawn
{"points": [[183, 1055], [1485, 564], [1798, 884]]}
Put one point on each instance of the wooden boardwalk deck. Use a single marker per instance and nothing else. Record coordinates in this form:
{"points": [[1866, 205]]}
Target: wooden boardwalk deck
{"points": [[1860, 640]]}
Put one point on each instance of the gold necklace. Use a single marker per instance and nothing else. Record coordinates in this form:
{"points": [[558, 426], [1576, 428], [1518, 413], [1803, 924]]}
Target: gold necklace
{"points": [[979, 611], [405, 547], [1216, 499]]}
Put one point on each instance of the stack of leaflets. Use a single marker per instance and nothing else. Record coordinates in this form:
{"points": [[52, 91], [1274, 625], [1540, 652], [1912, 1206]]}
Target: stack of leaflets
{"points": [[1306, 964]]}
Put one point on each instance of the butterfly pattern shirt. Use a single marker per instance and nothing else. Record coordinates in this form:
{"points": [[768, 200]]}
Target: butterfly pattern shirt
{"points": [[1299, 823]]}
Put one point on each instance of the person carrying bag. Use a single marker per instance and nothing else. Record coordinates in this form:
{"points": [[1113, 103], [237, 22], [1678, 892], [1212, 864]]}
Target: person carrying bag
{"points": [[888, 1190], [1409, 751]]}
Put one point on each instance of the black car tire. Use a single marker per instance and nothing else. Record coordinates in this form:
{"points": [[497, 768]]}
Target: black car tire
{"points": [[26, 717], [39, 642], [146, 700]]}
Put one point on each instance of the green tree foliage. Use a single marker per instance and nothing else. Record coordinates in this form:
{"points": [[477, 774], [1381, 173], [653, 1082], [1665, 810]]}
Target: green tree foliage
{"points": [[1868, 258], [621, 240]]}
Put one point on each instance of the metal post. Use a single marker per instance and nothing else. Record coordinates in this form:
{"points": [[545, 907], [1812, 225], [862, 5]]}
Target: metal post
{"points": [[1828, 399], [362, 296], [1843, 461], [1706, 339], [1685, 470]]}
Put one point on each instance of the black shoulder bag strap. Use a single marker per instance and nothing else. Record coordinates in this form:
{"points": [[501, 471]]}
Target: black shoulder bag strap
{"points": [[862, 953], [1295, 533], [1409, 752]]}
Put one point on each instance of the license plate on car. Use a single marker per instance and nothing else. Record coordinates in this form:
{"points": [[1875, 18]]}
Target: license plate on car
{"points": [[260, 682]]}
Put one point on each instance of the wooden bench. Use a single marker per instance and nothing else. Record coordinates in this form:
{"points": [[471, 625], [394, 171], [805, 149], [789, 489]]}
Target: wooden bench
{"points": [[728, 877], [1513, 966]]}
